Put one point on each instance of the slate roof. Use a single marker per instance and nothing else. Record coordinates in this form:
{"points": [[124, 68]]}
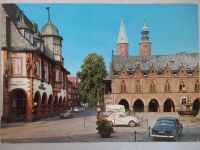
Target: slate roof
{"points": [[174, 62], [14, 12], [50, 29], [159, 62]]}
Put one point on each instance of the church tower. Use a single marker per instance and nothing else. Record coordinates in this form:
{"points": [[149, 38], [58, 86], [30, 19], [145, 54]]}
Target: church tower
{"points": [[122, 42], [145, 44]]}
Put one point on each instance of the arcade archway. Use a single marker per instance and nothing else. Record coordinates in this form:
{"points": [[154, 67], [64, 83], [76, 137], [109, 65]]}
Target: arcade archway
{"points": [[169, 106], [153, 105], [138, 106], [196, 105], [125, 103]]}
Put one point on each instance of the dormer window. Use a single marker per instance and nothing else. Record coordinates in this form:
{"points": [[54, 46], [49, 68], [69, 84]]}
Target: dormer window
{"points": [[28, 36]]}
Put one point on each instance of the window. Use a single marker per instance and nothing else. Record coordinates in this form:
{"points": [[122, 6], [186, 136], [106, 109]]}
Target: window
{"points": [[46, 72], [123, 87], [197, 86], [37, 69], [56, 48], [137, 87], [182, 87], [183, 100], [28, 36], [57, 74], [167, 86], [152, 86], [17, 66]]}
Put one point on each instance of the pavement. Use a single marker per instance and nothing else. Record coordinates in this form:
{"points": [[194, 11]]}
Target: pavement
{"points": [[55, 130]]}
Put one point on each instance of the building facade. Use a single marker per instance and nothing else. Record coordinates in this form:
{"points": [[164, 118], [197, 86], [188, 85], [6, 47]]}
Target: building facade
{"points": [[147, 83], [34, 78], [73, 91]]}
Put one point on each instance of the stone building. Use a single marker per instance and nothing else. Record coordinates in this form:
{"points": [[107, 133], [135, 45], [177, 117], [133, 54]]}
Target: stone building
{"points": [[151, 83], [34, 78], [72, 91]]}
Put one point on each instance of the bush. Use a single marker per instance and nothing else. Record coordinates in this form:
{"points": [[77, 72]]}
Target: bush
{"points": [[104, 128]]}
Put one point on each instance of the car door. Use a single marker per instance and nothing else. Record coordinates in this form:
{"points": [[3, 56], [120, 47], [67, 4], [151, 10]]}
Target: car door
{"points": [[122, 119], [179, 127]]}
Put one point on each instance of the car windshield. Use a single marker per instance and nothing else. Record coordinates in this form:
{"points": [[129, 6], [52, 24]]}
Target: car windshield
{"points": [[165, 122]]}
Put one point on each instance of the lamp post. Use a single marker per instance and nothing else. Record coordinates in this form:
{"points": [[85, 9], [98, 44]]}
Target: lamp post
{"points": [[84, 117]]}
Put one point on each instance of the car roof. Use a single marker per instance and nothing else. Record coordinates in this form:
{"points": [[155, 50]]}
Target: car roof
{"points": [[167, 118]]}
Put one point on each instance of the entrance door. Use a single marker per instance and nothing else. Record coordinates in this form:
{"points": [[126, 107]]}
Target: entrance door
{"points": [[18, 105]]}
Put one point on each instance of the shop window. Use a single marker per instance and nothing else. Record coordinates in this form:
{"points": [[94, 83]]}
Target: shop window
{"points": [[17, 66]]}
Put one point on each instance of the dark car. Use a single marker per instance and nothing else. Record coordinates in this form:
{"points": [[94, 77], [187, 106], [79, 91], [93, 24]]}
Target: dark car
{"points": [[167, 127], [66, 114]]}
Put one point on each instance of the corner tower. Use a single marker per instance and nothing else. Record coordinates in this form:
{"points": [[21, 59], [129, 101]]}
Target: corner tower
{"points": [[145, 44], [52, 39], [122, 42]]}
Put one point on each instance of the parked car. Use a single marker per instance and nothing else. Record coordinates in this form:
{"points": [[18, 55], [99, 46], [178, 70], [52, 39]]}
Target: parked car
{"points": [[122, 119], [167, 127], [76, 109], [66, 114]]}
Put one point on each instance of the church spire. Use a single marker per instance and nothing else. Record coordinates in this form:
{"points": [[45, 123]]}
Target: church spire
{"points": [[122, 42], [145, 44], [122, 38]]}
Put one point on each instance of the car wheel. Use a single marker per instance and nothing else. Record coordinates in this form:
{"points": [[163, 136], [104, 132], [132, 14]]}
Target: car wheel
{"points": [[132, 123]]}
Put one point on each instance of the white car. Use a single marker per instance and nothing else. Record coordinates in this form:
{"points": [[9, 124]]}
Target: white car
{"points": [[76, 109], [122, 119]]}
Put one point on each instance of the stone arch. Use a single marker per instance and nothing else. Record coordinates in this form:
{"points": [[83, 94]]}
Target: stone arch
{"points": [[60, 103], [64, 103], [36, 103], [125, 103], [55, 104], [43, 103], [50, 101], [18, 104], [153, 105], [138, 106], [196, 104], [169, 105]]}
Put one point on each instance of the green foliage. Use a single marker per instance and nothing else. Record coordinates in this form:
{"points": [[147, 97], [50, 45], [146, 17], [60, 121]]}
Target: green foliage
{"points": [[91, 86], [104, 128]]}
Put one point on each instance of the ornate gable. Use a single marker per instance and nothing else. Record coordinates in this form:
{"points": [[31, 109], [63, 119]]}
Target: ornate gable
{"points": [[196, 71], [152, 72], [138, 72], [123, 73], [167, 71], [182, 71]]}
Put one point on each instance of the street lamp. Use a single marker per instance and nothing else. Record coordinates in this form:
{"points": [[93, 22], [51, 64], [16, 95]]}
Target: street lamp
{"points": [[84, 115]]}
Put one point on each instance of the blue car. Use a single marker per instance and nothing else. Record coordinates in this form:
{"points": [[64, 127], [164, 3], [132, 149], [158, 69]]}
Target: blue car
{"points": [[167, 127]]}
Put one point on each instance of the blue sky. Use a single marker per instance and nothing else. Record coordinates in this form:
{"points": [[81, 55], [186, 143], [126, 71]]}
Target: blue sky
{"points": [[88, 28]]}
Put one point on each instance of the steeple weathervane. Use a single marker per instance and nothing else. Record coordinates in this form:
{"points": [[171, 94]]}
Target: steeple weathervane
{"points": [[48, 8]]}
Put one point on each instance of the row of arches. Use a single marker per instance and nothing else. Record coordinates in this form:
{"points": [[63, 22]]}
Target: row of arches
{"points": [[153, 106], [46, 105], [41, 105]]}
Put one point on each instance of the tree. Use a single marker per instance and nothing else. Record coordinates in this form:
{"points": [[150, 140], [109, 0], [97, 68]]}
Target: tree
{"points": [[91, 86]]}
